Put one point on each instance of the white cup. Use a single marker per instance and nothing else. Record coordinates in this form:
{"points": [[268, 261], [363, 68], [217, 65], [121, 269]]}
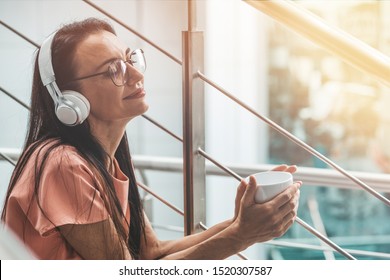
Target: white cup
{"points": [[270, 184]]}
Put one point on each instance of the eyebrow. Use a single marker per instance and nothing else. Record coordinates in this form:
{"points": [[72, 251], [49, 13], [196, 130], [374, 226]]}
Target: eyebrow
{"points": [[128, 50]]}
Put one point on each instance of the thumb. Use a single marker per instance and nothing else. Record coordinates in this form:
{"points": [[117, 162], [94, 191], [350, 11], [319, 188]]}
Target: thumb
{"points": [[241, 190], [250, 190]]}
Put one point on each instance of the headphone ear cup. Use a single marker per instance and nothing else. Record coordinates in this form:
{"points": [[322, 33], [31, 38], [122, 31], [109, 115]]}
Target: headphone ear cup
{"points": [[74, 108]]}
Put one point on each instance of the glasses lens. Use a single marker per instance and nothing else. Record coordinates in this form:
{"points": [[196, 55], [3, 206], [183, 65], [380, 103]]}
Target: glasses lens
{"points": [[118, 72], [138, 61], [118, 68]]}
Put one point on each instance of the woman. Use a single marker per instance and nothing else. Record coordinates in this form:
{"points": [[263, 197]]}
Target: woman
{"points": [[73, 194]]}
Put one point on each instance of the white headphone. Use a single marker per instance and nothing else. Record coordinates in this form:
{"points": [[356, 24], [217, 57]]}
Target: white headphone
{"points": [[71, 107]]}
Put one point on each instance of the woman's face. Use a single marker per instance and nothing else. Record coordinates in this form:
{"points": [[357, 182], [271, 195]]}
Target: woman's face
{"points": [[108, 101]]}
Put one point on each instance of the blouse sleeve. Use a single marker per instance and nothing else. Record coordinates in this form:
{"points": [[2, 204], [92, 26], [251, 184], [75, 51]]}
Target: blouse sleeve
{"points": [[68, 193]]}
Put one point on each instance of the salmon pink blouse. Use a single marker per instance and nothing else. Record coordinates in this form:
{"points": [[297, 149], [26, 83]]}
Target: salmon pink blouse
{"points": [[68, 194]]}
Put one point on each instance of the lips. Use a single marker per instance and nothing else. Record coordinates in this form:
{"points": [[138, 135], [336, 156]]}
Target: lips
{"points": [[136, 94]]}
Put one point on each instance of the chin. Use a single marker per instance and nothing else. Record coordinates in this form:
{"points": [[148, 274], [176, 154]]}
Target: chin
{"points": [[145, 108], [140, 110]]}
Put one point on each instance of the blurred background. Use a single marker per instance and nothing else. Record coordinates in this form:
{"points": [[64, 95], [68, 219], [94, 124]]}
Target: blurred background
{"points": [[340, 111]]}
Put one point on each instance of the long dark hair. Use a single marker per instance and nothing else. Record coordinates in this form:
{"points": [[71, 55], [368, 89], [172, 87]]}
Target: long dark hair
{"points": [[44, 126]]}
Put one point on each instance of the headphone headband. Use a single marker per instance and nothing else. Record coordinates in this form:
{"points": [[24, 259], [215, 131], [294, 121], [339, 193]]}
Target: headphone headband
{"points": [[71, 107], [44, 61]]}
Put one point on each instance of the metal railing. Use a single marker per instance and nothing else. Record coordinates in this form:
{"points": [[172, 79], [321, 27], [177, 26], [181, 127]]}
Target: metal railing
{"points": [[311, 176], [340, 43], [200, 151], [297, 141]]}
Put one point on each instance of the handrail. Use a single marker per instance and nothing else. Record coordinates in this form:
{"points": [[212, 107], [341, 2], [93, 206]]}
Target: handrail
{"points": [[15, 98], [335, 40], [156, 123], [18, 33], [170, 205], [296, 140], [322, 248], [7, 158]]}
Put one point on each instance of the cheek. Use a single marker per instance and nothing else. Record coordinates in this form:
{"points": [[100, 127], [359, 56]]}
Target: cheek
{"points": [[106, 107], [104, 103]]}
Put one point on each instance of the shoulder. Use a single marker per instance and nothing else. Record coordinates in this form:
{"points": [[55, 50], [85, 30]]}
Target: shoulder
{"points": [[54, 156]]}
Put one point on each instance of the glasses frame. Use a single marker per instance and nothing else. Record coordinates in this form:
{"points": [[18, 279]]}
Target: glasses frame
{"points": [[129, 61]]}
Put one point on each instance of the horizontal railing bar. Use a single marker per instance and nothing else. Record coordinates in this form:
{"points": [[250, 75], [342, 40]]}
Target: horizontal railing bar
{"points": [[296, 140], [15, 98], [7, 158], [297, 219], [150, 42], [323, 238], [290, 244], [333, 39], [170, 205], [224, 168], [348, 240], [162, 127], [309, 175], [323, 248], [19, 34]]}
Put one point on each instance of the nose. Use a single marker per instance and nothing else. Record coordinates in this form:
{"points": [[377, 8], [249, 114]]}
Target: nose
{"points": [[133, 74]]}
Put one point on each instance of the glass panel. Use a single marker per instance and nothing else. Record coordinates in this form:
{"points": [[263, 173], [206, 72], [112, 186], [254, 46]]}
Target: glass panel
{"points": [[341, 112]]}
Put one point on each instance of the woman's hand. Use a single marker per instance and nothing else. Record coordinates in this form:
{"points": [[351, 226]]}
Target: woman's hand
{"points": [[242, 186], [262, 222]]}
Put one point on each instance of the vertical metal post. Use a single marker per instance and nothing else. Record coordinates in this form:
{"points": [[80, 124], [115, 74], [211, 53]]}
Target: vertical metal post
{"points": [[193, 127]]}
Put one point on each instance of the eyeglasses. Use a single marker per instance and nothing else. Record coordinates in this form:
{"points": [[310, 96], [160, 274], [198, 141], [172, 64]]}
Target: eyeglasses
{"points": [[118, 68]]}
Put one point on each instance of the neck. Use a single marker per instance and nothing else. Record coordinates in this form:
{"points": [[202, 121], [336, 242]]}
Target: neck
{"points": [[109, 135]]}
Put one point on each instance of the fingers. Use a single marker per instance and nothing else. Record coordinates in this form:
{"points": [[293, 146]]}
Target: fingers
{"points": [[240, 192], [287, 202], [248, 197], [285, 168], [280, 167], [288, 194], [241, 188], [286, 220], [291, 169], [283, 228], [291, 207]]}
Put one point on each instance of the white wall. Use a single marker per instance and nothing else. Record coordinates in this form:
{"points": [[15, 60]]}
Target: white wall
{"points": [[236, 59]]}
